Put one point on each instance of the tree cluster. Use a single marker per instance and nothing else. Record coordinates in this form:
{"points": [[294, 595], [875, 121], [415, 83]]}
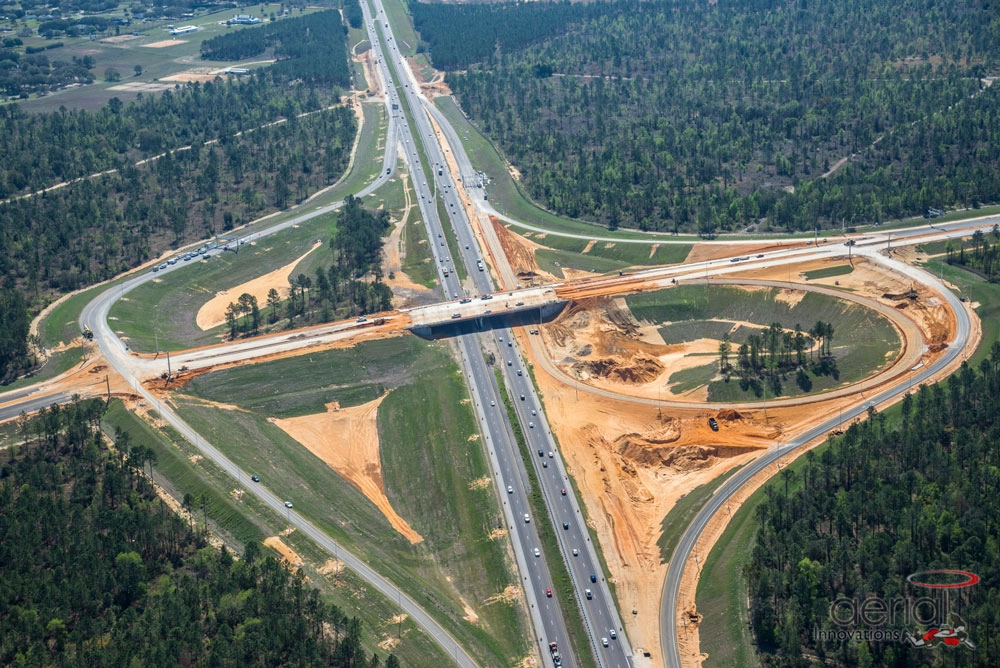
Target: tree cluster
{"points": [[770, 356], [353, 14], [874, 507], [729, 115], [15, 322], [22, 75], [95, 571], [311, 48], [981, 256]]}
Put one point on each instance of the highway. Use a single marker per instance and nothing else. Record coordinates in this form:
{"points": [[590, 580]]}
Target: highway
{"points": [[685, 547], [599, 613]]}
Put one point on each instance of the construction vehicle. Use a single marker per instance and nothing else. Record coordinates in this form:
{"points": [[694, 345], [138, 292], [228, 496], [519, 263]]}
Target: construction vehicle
{"points": [[87, 334]]}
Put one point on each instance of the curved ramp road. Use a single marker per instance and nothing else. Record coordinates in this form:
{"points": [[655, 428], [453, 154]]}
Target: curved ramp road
{"points": [[675, 570]]}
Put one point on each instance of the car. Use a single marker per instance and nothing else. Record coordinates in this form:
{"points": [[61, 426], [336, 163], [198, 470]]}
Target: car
{"points": [[538, 552], [534, 412], [442, 243], [501, 339], [758, 255], [563, 491], [611, 632], [510, 363], [520, 373], [527, 518], [156, 268], [531, 425], [456, 316], [439, 235], [548, 592], [604, 641], [487, 297], [565, 526], [519, 304], [493, 403], [510, 489], [545, 464], [713, 424], [288, 504], [255, 478], [541, 453], [551, 454], [466, 246], [589, 594], [522, 397], [510, 344], [465, 301], [576, 552], [593, 578], [361, 319]]}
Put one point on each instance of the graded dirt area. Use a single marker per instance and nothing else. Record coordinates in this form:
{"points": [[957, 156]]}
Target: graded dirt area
{"points": [[165, 43], [347, 440], [288, 555], [631, 462], [213, 312]]}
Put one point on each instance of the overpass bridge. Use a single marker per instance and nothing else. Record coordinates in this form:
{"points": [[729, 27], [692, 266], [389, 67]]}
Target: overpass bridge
{"points": [[517, 305]]}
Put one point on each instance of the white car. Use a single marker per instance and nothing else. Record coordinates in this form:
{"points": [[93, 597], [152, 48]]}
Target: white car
{"points": [[538, 553], [604, 641], [288, 504], [611, 632], [576, 552], [510, 489], [527, 518]]}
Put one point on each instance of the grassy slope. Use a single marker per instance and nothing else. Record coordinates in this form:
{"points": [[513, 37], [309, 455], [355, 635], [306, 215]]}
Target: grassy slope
{"points": [[425, 422], [862, 339], [677, 520]]}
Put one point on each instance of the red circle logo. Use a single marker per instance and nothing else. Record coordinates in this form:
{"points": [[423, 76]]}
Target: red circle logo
{"points": [[919, 579]]}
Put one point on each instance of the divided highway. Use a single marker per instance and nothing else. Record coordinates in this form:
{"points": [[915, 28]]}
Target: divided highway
{"points": [[589, 587]]}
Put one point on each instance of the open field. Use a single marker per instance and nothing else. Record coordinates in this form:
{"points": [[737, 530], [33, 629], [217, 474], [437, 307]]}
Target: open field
{"points": [[425, 418], [168, 57], [163, 312]]}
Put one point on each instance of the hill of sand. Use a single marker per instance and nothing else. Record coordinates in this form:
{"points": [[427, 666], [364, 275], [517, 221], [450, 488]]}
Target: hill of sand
{"points": [[347, 440]]}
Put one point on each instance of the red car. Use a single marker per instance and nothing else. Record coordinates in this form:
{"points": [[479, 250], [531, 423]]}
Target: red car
{"points": [[548, 592]]}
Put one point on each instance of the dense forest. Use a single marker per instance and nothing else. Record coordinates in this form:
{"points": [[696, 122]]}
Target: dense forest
{"points": [[139, 177], [713, 116], [310, 48], [981, 254], [875, 507], [95, 571], [15, 322]]}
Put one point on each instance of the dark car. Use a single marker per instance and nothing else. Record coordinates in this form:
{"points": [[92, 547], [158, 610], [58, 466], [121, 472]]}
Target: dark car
{"points": [[566, 526], [255, 478], [713, 424], [593, 577]]}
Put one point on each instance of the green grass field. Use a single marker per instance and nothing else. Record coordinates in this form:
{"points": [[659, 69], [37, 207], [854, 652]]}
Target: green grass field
{"points": [[425, 428], [163, 312], [978, 291], [677, 520], [863, 340], [828, 272]]}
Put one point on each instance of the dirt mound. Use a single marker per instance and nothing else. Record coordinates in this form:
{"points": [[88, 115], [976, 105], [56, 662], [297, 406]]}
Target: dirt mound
{"points": [[646, 452], [729, 415], [641, 369]]}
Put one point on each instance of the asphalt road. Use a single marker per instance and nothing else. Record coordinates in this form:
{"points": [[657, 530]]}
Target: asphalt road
{"points": [[599, 613], [671, 586]]}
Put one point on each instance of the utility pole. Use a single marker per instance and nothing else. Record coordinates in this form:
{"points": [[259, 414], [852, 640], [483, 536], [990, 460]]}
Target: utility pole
{"points": [[107, 381], [169, 372]]}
